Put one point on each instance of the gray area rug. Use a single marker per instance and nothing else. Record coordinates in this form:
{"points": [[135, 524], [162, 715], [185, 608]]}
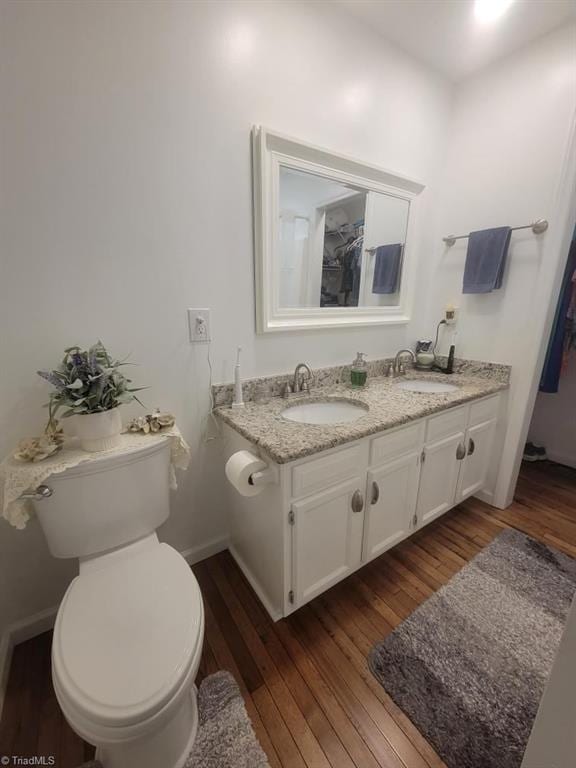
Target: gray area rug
{"points": [[469, 666], [225, 737]]}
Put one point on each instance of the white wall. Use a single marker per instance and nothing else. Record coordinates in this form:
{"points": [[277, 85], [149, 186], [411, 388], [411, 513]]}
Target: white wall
{"points": [[126, 198], [554, 419], [508, 142], [386, 223], [553, 738]]}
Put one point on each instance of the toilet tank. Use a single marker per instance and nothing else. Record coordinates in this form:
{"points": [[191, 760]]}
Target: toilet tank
{"points": [[106, 502]]}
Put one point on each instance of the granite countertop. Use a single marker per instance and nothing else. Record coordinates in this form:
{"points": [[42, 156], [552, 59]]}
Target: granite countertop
{"points": [[387, 407]]}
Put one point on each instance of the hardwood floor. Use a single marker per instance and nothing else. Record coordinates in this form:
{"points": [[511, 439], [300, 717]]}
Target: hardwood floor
{"points": [[305, 680]]}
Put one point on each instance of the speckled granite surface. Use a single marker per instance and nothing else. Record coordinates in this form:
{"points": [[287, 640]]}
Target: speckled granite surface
{"points": [[388, 406], [271, 386]]}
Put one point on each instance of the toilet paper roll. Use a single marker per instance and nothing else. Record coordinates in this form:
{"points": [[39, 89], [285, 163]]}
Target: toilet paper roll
{"points": [[239, 467]]}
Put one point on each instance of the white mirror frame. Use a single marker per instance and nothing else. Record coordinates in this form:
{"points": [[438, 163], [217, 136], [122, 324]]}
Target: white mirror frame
{"points": [[270, 151]]}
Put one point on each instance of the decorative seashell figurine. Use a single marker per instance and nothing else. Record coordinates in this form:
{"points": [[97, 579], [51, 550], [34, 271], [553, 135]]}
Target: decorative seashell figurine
{"points": [[34, 449], [152, 422], [139, 424], [163, 420]]}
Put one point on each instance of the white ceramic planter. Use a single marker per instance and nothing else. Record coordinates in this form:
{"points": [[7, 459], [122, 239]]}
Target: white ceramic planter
{"points": [[99, 431]]}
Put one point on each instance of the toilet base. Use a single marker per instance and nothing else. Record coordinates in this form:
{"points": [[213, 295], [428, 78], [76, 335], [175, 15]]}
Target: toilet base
{"points": [[168, 747]]}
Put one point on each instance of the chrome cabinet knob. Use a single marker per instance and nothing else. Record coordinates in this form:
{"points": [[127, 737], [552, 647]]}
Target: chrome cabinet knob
{"points": [[460, 451], [471, 447], [375, 492], [357, 502]]}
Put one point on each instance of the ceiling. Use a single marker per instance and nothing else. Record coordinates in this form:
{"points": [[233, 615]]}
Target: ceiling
{"points": [[445, 35]]}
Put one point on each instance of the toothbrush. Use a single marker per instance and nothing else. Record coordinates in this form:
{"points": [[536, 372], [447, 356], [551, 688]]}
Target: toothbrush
{"points": [[238, 398]]}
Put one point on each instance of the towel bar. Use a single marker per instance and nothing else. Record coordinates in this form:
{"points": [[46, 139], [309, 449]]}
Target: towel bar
{"points": [[373, 250], [539, 226]]}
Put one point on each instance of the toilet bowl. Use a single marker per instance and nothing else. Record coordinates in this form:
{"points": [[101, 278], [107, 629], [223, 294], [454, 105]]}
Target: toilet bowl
{"points": [[126, 649], [129, 631]]}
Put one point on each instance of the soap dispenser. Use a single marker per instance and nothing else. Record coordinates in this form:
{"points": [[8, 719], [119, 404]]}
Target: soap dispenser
{"points": [[359, 371]]}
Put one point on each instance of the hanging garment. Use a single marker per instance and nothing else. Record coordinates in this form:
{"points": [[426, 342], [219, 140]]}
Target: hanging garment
{"points": [[562, 330], [349, 260], [357, 273], [570, 335], [347, 271]]}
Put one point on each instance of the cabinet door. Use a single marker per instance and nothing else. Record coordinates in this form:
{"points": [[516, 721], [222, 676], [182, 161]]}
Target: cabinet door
{"points": [[439, 477], [391, 497], [327, 538], [479, 441]]}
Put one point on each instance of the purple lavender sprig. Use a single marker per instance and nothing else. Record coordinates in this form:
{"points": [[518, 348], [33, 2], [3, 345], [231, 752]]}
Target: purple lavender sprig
{"points": [[53, 378]]}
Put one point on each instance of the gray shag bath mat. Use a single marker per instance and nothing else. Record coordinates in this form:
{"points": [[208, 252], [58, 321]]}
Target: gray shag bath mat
{"points": [[469, 666], [225, 737]]}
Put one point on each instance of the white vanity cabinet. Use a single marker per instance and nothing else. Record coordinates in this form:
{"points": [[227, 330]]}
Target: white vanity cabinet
{"points": [[330, 513], [326, 538], [478, 443], [392, 489], [442, 455], [391, 504]]}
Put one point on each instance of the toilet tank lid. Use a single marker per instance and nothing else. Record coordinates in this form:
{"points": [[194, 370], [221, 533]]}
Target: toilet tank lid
{"points": [[105, 461], [127, 634]]}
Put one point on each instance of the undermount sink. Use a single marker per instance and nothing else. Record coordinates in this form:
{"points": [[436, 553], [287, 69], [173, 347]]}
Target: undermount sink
{"points": [[325, 412], [423, 385]]}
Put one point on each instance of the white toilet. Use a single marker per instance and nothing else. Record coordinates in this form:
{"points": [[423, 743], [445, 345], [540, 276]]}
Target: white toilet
{"points": [[129, 631]]}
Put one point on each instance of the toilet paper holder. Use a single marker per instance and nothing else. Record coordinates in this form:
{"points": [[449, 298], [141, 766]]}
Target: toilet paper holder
{"points": [[249, 473], [263, 477]]}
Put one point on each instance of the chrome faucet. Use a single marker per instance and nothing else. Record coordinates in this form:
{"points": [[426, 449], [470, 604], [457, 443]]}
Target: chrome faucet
{"points": [[300, 383], [399, 367]]}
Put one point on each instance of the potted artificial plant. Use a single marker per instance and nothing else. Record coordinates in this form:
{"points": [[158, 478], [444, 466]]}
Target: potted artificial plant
{"points": [[91, 387]]}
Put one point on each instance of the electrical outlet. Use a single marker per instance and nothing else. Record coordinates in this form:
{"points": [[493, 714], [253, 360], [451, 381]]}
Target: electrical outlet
{"points": [[451, 314], [199, 325]]}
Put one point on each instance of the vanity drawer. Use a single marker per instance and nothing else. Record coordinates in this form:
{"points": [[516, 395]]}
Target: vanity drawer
{"points": [[446, 424], [321, 473], [484, 410], [396, 444]]}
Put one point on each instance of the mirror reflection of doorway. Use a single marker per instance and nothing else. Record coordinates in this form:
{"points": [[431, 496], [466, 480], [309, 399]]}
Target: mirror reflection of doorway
{"points": [[342, 251], [331, 237]]}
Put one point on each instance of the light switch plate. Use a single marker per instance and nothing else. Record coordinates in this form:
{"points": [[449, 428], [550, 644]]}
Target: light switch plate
{"points": [[199, 325]]}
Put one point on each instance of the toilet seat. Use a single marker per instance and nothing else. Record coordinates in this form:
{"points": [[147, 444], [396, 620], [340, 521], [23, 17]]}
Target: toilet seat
{"points": [[127, 636]]}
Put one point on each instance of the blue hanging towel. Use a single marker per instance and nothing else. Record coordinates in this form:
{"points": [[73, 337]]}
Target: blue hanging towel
{"points": [[387, 268], [486, 259]]}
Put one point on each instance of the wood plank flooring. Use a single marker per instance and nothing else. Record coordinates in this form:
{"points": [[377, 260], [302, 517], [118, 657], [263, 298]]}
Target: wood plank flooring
{"points": [[305, 680]]}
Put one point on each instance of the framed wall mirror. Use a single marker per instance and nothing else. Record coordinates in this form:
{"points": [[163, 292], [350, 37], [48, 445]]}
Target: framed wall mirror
{"points": [[333, 238]]}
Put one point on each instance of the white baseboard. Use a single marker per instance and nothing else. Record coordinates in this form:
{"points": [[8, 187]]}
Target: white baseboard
{"points": [[275, 615], [5, 659], [33, 625], [25, 629], [560, 458], [19, 632], [212, 547], [486, 496]]}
